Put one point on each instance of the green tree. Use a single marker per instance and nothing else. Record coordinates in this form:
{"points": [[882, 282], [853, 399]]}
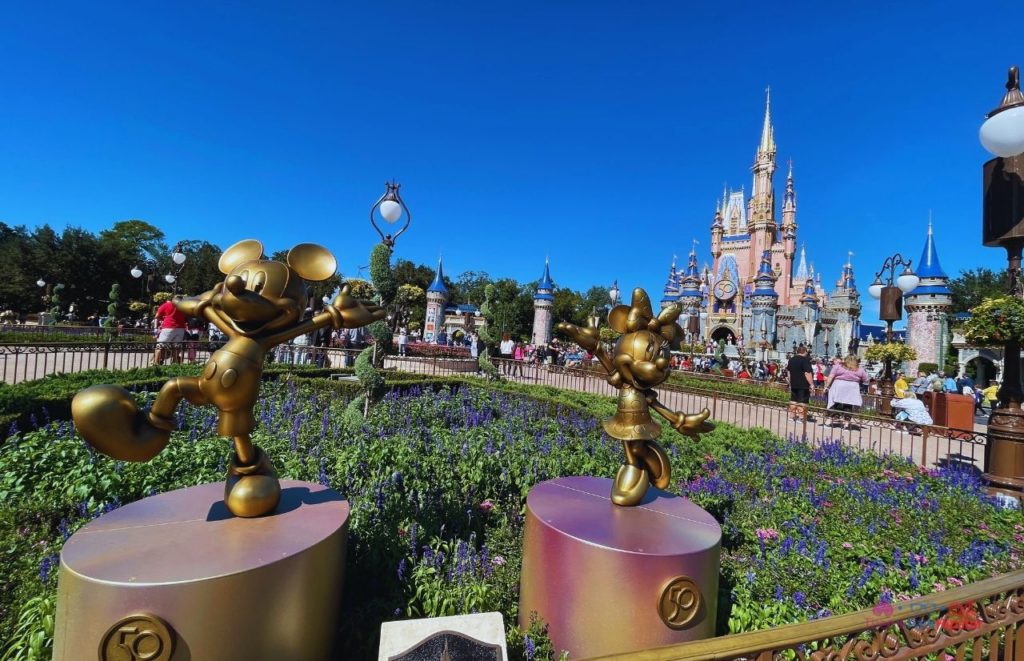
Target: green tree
{"points": [[469, 287], [972, 287], [199, 273], [361, 289], [569, 307], [409, 301], [407, 273]]}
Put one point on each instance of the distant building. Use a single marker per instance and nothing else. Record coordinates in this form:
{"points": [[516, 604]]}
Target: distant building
{"points": [[757, 293], [451, 318], [543, 303]]}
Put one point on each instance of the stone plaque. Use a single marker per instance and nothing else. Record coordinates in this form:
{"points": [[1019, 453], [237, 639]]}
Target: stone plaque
{"points": [[451, 646], [479, 637]]}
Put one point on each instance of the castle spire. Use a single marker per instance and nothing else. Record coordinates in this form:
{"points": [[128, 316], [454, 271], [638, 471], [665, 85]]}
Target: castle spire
{"points": [[767, 131], [801, 269], [438, 284]]}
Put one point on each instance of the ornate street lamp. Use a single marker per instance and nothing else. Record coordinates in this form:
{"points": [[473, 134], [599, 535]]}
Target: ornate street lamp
{"points": [[891, 310], [391, 209], [1003, 226]]}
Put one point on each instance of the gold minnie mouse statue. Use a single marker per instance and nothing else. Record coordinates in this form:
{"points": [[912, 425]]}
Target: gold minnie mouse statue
{"points": [[258, 306], [640, 362]]}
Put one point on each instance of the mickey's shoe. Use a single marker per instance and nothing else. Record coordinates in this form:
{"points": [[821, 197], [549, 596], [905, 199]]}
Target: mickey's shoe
{"points": [[252, 490], [109, 420]]}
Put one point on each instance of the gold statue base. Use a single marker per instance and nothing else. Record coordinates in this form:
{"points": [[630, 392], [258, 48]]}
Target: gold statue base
{"points": [[176, 577], [611, 580]]}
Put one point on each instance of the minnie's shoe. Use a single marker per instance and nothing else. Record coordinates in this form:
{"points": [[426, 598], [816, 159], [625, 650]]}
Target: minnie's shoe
{"points": [[109, 420], [631, 483], [252, 490]]}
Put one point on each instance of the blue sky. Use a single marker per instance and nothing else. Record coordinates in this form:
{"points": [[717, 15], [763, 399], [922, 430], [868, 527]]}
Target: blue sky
{"points": [[599, 133]]}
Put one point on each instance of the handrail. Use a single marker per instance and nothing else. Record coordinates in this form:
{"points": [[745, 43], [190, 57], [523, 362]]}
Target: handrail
{"points": [[975, 619]]}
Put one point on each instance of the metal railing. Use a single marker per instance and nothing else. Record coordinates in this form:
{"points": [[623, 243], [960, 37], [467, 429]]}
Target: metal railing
{"points": [[980, 620], [927, 445]]}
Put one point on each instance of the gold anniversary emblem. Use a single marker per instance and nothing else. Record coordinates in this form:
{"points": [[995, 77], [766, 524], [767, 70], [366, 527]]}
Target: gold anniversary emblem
{"points": [[679, 602], [140, 637]]}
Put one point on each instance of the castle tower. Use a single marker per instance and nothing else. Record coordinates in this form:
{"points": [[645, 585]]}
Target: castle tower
{"points": [[690, 297], [845, 303], [761, 206], [671, 292], [543, 302], [789, 229], [809, 314], [927, 308], [717, 229], [437, 297], [764, 301]]}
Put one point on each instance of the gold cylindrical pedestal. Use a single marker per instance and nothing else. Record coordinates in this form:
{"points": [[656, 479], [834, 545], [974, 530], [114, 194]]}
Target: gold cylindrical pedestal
{"points": [[177, 577], [609, 579]]}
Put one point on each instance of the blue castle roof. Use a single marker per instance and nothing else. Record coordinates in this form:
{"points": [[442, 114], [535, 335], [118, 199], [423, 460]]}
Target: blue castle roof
{"points": [[690, 282], [929, 266], [438, 284], [933, 279], [545, 286], [765, 278]]}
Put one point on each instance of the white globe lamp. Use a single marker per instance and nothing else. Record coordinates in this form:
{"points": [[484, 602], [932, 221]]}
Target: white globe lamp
{"points": [[875, 289], [1003, 130], [907, 281], [178, 257], [169, 278], [136, 272], [390, 211]]}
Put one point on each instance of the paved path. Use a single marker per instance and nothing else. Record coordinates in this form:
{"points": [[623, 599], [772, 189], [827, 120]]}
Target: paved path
{"points": [[882, 436], [878, 435]]}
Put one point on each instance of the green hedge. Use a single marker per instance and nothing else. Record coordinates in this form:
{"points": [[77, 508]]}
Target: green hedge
{"points": [[50, 397]]}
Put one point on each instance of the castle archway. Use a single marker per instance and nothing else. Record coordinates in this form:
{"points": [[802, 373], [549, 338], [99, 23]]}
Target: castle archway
{"points": [[724, 332]]}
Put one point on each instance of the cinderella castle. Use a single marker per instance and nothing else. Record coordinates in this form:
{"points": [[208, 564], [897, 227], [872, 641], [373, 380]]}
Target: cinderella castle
{"points": [[757, 293]]}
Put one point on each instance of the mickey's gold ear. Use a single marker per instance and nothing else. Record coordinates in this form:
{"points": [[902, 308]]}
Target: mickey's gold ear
{"points": [[240, 253], [617, 318], [312, 262]]}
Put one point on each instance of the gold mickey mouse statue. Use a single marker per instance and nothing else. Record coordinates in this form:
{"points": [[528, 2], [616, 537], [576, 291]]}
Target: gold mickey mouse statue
{"points": [[640, 362], [259, 305]]}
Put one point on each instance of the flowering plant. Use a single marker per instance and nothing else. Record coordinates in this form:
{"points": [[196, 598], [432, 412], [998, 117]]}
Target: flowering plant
{"points": [[995, 321], [895, 351]]}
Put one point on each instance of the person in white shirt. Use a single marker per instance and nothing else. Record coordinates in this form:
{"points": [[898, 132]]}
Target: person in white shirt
{"points": [[403, 341], [506, 347], [911, 409]]}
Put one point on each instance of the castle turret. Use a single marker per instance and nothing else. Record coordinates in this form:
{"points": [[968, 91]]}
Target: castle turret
{"points": [[717, 229], [671, 292], [789, 226], [543, 302], [845, 304], [437, 298], [764, 301], [927, 308], [690, 297]]}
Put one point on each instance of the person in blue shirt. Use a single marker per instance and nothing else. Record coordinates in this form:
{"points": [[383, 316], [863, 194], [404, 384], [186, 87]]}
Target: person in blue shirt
{"points": [[949, 384]]}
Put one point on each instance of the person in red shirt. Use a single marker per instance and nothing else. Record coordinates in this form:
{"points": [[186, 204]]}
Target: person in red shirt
{"points": [[171, 323]]}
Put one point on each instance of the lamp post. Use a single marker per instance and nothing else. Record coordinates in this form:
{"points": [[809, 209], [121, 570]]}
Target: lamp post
{"points": [[46, 295], [1003, 226], [391, 209], [890, 292]]}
